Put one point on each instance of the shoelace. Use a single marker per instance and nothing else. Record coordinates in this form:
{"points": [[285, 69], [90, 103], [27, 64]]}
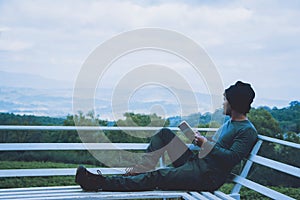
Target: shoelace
{"points": [[99, 172], [128, 169]]}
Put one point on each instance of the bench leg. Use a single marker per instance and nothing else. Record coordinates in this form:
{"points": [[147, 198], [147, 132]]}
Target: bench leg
{"points": [[236, 196]]}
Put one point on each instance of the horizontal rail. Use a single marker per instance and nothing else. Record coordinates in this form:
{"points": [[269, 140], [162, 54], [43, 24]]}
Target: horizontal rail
{"points": [[77, 146], [125, 128], [295, 171], [71, 146], [278, 141], [94, 128], [131, 146]]}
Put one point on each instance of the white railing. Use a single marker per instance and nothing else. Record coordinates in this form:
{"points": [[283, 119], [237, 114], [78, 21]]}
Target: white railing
{"points": [[73, 146], [93, 128], [240, 180]]}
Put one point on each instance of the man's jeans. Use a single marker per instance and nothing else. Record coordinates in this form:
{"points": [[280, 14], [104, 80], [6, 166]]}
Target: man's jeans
{"points": [[188, 171]]}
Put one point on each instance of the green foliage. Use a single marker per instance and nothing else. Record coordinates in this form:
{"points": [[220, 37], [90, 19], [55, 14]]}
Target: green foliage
{"points": [[13, 119], [36, 181], [79, 157], [132, 119], [267, 125], [292, 137], [36, 165], [247, 194], [136, 120], [264, 123], [201, 120], [292, 192], [280, 123], [21, 182], [81, 119], [288, 117], [212, 124], [69, 180]]}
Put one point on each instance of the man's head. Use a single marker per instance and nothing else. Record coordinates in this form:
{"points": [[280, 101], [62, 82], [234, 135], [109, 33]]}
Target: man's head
{"points": [[240, 96]]}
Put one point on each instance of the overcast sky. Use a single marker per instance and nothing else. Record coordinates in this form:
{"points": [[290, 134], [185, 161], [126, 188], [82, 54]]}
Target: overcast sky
{"points": [[253, 41]]}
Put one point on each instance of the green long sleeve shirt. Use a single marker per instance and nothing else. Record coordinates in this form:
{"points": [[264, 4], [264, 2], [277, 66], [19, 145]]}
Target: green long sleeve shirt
{"points": [[231, 143]]}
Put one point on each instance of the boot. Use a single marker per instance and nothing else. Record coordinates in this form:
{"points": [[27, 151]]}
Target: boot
{"points": [[87, 180]]}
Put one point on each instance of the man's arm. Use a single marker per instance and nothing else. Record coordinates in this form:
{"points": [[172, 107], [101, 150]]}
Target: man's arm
{"points": [[240, 148]]}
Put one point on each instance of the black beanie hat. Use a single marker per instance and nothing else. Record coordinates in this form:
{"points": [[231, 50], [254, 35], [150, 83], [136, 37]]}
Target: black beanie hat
{"points": [[240, 96]]}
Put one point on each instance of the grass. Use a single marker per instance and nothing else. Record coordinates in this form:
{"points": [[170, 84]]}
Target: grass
{"points": [[247, 194], [35, 164], [20, 182]]}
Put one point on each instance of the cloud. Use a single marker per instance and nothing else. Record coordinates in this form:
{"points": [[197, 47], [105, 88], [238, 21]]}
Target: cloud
{"points": [[3, 29], [7, 45], [250, 40]]}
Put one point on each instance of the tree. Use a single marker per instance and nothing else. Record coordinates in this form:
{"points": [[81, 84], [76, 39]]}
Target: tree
{"points": [[132, 119], [265, 123], [288, 117]]}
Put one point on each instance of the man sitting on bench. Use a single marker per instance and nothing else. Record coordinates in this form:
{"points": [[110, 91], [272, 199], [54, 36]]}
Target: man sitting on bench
{"points": [[206, 170]]}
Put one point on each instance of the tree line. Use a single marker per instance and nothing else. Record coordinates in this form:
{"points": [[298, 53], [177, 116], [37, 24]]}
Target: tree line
{"points": [[281, 123]]}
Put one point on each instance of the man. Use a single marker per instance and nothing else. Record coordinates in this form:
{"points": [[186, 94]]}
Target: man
{"points": [[206, 170]]}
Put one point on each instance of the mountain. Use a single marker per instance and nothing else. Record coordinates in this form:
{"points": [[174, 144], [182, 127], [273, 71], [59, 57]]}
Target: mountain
{"points": [[40, 102], [59, 103], [36, 95], [23, 80]]}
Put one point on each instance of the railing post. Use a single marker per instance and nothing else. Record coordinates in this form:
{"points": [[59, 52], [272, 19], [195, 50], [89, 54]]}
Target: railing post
{"points": [[162, 163], [236, 189]]}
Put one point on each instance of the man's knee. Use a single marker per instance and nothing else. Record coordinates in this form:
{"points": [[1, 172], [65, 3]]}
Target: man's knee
{"points": [[166, 134]]}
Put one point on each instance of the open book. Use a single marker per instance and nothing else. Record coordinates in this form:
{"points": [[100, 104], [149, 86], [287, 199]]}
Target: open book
{"points": [[187, 130]]}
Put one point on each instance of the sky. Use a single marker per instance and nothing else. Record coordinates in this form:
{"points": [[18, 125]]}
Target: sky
{"points": [[253, 41]]}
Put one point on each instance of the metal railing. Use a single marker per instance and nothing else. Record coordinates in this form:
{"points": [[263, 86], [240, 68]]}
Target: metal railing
{"points": [[240, 180], [73, 146]]}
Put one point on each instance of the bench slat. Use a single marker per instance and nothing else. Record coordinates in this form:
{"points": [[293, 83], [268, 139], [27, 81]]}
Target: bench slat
{"points": [[71, 192], [198, 196], [223, 195], [210, 196], [57, 188], [55, 172], [25, 192], [74, 192]]}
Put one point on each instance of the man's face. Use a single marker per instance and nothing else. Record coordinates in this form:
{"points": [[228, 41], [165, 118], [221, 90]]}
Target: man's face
{"points": [[226, 107]]}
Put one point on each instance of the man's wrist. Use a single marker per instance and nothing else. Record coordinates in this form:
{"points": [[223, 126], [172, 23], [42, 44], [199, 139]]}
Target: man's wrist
{"points": [[203, 142]]}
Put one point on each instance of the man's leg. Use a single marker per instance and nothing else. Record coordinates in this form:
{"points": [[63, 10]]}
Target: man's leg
{"points": [[166, 141], [163, 141], [190, 176]]}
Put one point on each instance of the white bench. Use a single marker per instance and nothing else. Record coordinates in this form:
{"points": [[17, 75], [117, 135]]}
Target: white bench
{"points": [[74, 192]]}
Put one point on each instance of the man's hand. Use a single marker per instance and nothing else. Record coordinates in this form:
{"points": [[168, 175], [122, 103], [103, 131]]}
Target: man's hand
{"points": [[199, 139]]}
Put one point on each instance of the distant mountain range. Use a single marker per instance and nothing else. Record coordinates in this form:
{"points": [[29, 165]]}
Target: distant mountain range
{"points": [[21, 80], [36, 95]]}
